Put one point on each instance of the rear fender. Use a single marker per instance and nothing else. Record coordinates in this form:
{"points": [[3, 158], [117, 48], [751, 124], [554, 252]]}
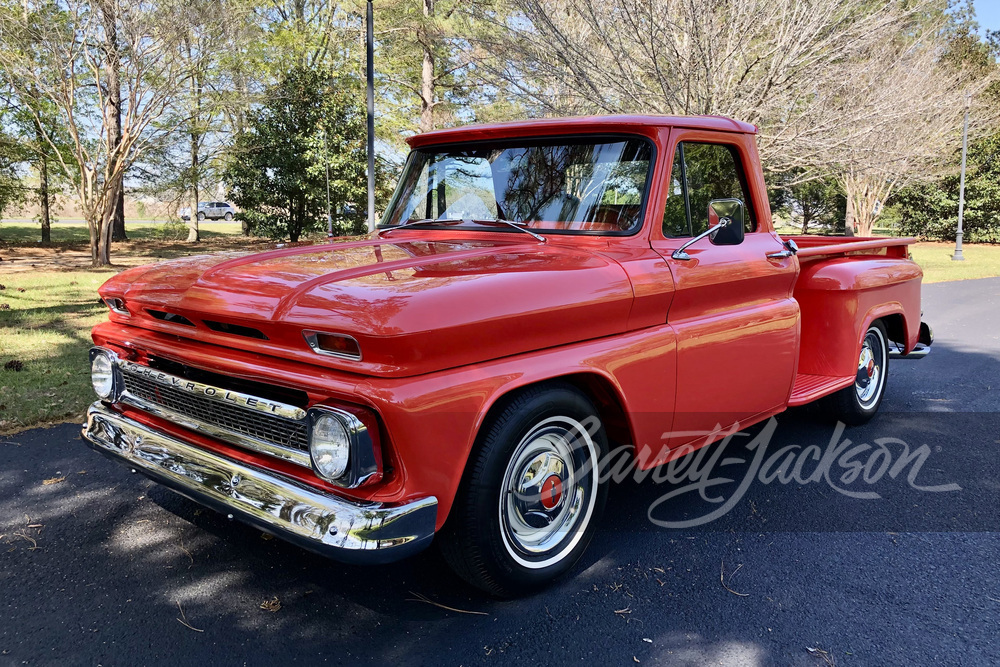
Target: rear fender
{"points": [[841, 297]]}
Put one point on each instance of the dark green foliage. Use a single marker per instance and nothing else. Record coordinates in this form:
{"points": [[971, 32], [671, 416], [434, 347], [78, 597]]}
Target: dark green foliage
{"points": [[276, 172], [817, 205], [930, 210], [12, 191]]}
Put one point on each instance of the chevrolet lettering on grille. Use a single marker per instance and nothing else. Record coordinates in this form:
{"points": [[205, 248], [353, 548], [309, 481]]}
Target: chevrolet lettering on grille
{"points": [[233, 397]]}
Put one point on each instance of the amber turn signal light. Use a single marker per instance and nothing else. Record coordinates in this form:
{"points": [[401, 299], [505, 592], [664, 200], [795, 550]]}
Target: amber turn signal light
{"points": [[333, 344]]}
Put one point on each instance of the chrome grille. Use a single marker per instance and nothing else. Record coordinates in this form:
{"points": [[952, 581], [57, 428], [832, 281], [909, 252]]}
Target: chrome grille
{"points": [[229, 418]]}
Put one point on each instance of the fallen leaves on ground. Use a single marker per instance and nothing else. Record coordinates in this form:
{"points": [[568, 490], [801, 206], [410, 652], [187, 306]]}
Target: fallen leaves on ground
{"points": [[271, 605]]}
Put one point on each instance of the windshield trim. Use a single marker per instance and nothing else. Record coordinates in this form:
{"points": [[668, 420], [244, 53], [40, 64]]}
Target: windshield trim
{"points": [[596, 137]]}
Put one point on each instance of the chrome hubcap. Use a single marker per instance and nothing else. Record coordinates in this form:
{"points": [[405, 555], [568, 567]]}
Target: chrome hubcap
{"points": [[871, 363], [548, 492]]}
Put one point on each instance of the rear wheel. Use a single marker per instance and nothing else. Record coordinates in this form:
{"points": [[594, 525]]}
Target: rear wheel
{"points": [[229, 217], [859, 402], [532, 494]]}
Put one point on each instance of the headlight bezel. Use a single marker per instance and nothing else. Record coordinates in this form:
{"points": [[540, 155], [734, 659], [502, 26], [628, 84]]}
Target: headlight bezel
{"points": [[362, 458], [115, 382]]}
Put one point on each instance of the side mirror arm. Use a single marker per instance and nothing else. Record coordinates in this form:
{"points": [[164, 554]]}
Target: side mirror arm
{"points": [[680, 254]]}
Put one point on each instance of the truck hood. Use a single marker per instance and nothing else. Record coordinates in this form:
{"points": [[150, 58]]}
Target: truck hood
{"points": [[414, 305]]}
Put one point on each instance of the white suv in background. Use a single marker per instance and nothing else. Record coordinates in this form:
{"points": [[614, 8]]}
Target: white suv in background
{"points": [[210, 210]]}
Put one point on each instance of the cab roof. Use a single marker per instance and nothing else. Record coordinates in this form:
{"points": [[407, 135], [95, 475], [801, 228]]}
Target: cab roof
{"points": [[579, 124]]}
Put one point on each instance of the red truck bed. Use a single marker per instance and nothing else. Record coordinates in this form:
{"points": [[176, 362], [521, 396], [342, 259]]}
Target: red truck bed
{"points": [[815, 291]]}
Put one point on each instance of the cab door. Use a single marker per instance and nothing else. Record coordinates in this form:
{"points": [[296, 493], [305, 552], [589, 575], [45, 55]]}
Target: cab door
{"points": [[735, 319]]}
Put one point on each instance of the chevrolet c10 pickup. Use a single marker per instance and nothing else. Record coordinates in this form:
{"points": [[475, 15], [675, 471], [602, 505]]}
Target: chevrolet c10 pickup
{"points": [[536, 294]]}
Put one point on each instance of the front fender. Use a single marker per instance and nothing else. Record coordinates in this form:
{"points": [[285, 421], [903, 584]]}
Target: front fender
{"points": [[433, 420]]}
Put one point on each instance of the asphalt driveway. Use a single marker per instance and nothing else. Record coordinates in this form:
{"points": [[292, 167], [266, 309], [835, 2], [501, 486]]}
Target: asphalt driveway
{"points": [[889, 559]]}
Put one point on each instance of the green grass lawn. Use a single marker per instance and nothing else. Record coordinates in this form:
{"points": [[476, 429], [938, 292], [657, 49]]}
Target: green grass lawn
{"points": [[46, 328], [981, 261], [18, 232]]}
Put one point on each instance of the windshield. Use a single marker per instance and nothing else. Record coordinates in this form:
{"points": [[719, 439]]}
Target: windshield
{"points": [[581, 186]]}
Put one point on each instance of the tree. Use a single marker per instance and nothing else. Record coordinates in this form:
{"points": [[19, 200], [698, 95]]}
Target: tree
{"points": [[59, 52], [30, 119], [424, 56], [847, 87], [277, 167], [811, 204], [12, 191], [206, 95], [112, 74], [930, 209], [34, 121]]}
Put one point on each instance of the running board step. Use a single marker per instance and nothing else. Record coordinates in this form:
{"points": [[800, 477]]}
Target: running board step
{"points": [[808, 388]]}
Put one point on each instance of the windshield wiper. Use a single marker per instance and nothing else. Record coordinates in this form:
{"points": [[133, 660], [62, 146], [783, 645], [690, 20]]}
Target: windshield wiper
{"points": [[519, 226], [418, 221]]}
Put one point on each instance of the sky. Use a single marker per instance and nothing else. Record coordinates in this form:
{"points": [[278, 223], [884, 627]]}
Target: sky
{"points": [[988, 14]]}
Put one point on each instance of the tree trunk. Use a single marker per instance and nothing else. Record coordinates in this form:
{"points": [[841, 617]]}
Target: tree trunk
{"points": [[849, 219], [93, 226], [298, 219], [806, 219], [43, 181], [113, 114], [427, 72], [194, 235], [43, 199], [865, 197], [107, 226], [118, 220]]}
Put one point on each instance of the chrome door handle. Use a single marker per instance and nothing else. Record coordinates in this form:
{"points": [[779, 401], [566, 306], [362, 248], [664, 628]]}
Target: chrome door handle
{"points": [[790, 249]]}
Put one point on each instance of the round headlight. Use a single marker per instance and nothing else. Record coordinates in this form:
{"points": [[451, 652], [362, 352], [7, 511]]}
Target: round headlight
{"points": [[330, 447], [102, 375]]}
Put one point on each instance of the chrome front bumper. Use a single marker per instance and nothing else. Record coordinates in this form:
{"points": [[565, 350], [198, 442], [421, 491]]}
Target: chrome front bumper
{"points": [[922, 348], [341, 529]]}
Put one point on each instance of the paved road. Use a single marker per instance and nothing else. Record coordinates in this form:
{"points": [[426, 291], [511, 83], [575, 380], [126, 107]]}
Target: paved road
{"points": [[906, 578]]}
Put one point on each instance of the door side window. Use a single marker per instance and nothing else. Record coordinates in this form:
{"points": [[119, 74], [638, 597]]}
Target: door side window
{"points": [[701, 173]]}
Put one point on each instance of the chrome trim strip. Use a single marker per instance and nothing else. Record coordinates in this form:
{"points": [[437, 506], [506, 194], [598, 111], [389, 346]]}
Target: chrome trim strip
{"points": [[335, 527], [215, 393], [313, 343], [287, 453]]}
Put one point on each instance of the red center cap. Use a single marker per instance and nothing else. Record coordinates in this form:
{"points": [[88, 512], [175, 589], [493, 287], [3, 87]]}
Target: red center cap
{"points": [[871, 367], [551, 492]]}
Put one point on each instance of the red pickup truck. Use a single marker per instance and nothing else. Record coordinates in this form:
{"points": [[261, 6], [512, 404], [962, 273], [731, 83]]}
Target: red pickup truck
{"points": [[537, 293]]}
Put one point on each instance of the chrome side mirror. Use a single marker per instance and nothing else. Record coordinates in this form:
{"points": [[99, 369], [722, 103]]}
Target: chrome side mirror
{"points": [[732, 211], [725, 226]]}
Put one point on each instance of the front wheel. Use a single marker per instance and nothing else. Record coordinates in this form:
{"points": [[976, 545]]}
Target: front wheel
{"points": [[859, 402], [532, 495], [201, 217]]}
